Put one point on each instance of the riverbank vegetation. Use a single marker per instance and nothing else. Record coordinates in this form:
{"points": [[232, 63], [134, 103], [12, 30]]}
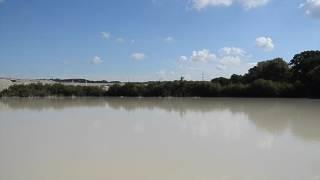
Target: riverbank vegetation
{"points": [[272, 78], [44, 90]]}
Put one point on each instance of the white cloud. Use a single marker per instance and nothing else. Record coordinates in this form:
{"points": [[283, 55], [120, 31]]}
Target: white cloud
{"points": [[312, 8], [168, 39], [96, 60], [202, 56], [230, 60], [228, 56], [247, 4], [265, 43], [120, 40], [252, 64], [105, 35], [138, 56], [227, 61], [183, 59], [232, 51], [231, 56], [202, 4], [221, 67]]}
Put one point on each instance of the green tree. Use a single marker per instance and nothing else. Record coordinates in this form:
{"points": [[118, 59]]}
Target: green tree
{"points": [[236, 78], [313, 84], [221, 80], [275, 70], [303, 63]]}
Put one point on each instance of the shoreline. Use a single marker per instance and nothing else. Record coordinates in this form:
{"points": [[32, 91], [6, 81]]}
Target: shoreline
{"points": [[149, 97]]}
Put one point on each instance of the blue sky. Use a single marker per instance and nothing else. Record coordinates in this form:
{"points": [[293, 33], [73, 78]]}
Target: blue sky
{"points": [[144, 40]]}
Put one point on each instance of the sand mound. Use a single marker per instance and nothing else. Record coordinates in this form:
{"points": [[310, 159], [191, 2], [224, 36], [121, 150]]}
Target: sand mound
{"points": [[4, 84]]}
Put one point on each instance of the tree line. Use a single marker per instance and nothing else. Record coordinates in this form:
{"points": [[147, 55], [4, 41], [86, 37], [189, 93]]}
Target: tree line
{"points": [[272, 78], [45, 90]]}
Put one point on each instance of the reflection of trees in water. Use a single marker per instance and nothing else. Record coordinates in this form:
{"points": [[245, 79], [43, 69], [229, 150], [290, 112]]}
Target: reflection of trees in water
{"points": [[274, 115], [301, 116], [180, 105]]}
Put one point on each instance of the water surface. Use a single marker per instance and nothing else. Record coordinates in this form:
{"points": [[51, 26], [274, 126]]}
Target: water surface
{"points": [[159, 139]]}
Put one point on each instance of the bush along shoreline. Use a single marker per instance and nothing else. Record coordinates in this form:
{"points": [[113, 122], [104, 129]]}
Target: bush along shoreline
{"points": [[54, 90], [272, 78]]}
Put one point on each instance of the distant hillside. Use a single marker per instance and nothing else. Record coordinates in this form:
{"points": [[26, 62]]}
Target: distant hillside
{"points": [[81, 81]]}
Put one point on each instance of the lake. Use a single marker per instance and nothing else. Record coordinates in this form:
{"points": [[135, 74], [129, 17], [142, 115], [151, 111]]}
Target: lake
{"points": [[159, 139]]}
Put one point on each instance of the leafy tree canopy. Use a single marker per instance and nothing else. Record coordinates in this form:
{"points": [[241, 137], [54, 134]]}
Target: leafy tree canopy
{"points": [[275, 70]]}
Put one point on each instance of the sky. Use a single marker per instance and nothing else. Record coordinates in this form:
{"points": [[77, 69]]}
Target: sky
{"points": [[142, 40]]}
